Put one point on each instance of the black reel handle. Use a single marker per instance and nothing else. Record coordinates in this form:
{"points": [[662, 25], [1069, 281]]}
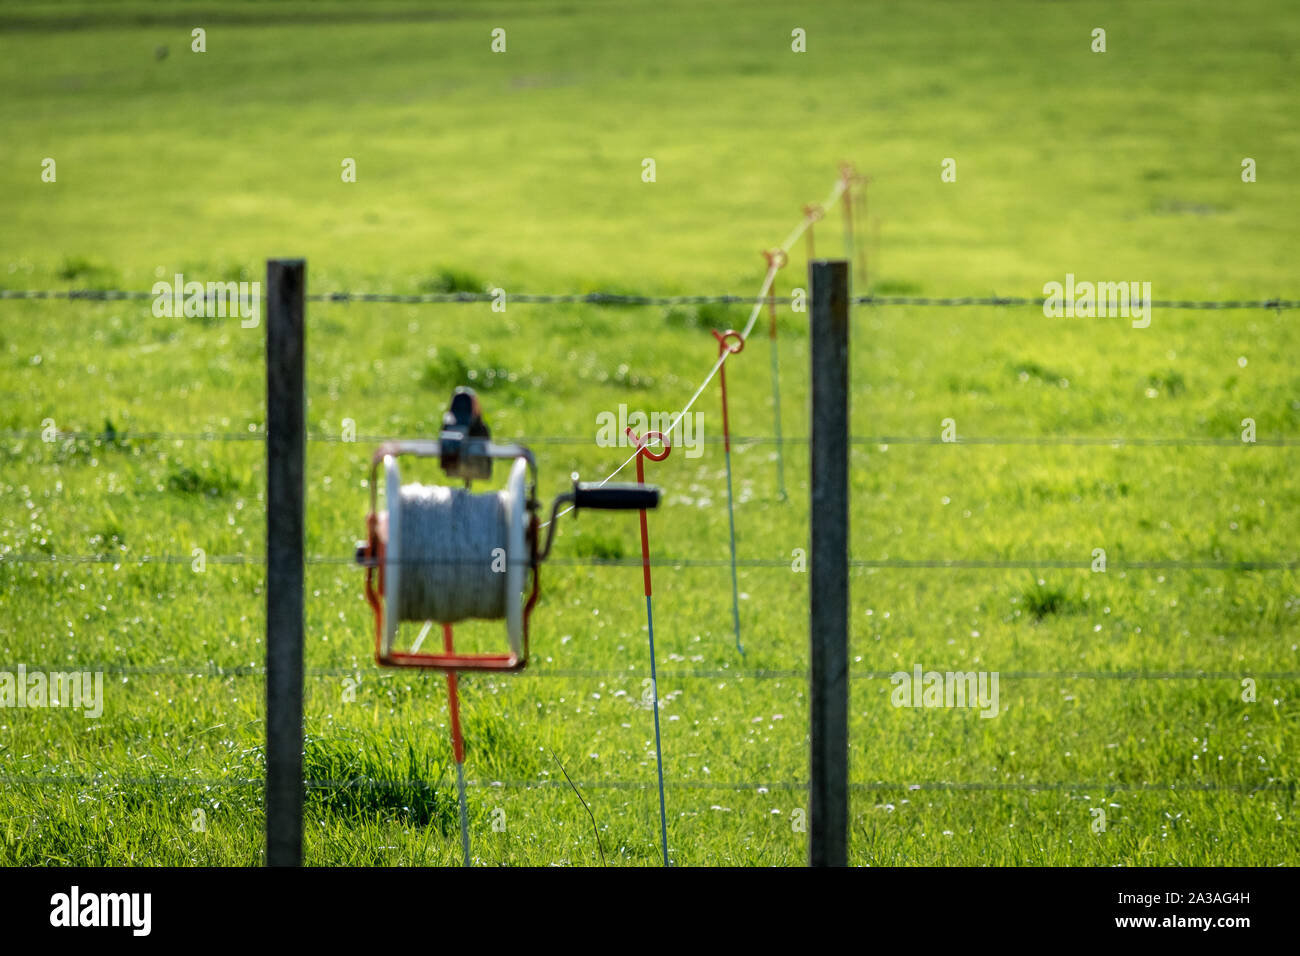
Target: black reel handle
{"points": [[615, 496]]}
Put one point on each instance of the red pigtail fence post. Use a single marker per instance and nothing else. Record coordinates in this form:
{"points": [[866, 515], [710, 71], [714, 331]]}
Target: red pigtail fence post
{"points": [[723, 348], [855, 206], [861, 213], [642, 452], [849, 177], [814, 212], [776, 259]]}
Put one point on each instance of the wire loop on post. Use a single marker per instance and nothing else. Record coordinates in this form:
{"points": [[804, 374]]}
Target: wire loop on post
{"points": [[722, 338], [642, 445]]}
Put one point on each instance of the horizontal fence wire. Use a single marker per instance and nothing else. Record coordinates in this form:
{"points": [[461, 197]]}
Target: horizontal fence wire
{"points": [[724, 673], [993, 564], [622, 299], [758, 787], [122, 437]]}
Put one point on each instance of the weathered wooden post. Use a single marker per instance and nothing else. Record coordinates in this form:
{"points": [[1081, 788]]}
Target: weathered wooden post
{"points": [[286, 409], [828, 802]]}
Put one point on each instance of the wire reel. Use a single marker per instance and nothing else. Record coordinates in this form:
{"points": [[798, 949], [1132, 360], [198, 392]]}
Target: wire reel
{"points": [[444, 554]]}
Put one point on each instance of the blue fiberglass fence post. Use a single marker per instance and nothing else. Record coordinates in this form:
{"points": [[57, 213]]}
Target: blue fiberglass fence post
{"points": [[659, 750]]}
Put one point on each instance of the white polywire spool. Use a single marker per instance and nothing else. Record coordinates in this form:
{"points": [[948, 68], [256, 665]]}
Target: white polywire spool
{"points": [[452, 555], [450, 539]]}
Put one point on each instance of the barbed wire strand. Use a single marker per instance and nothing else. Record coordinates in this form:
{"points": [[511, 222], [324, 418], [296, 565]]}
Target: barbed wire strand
{"points": [[644, 299], [257, 670], [992, 564], [123, 437], [758, 787]]}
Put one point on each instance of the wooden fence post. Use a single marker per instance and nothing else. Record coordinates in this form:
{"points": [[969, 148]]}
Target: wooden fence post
{"points": [[286, 407], [828, 802]]}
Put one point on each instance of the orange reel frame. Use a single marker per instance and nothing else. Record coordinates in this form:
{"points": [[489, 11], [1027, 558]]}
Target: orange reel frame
{"points": [[372, 555]]}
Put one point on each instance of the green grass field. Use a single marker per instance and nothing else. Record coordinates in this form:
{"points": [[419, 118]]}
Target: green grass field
{"points": [[1119, 690]]}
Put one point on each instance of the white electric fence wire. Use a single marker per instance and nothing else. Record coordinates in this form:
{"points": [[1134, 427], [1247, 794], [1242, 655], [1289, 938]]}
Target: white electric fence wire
{"points": [[419, 639], [763, 292]]}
